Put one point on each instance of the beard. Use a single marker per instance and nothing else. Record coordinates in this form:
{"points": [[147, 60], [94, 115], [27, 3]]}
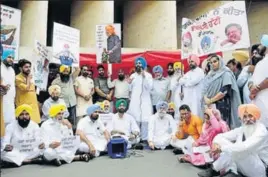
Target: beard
{"points": [[248, 129], [64, 77], [7, 63], [138, 69], [170, 73], [121, 110], [121, 77], [192, 66], [26, 73], [85, 74]]}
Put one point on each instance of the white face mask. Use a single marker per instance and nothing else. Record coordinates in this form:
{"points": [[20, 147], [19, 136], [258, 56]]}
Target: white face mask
{"points": [[162, 114]]}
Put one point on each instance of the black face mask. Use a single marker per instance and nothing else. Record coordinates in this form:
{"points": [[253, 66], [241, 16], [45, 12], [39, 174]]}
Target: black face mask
{"points": [[94, 118], [121, 77], [85, 74], [138, 69], [55, 98], [170, 73], [23, 122], [172, 114], [256, 59], [122, 110], [192, 66], [64, 77], [7, 64]]}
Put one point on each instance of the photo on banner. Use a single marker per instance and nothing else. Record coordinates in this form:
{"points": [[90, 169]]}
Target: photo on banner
{"points": [[108, 43], [10, 32], [40, 65], [222, 29], [66, 45]]}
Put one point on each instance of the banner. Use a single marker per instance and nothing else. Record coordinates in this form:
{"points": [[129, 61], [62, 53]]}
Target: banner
{"points": [[70, 143], [10, 31], [66, 45], [40, 65], [108, 43], [221, 29], [27, 146]]}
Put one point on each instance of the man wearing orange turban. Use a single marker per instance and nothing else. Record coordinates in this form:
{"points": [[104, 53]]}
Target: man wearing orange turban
{"points": [[244, 149], [22, 142]]}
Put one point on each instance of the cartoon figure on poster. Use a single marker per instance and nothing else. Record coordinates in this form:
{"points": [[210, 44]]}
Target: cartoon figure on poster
{"points": [[66, 57], [233, 33], [113, 45], [207, 43], [187, 43]]}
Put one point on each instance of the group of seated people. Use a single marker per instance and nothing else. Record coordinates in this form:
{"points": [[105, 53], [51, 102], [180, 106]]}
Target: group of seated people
{"points": [[209, 143]]}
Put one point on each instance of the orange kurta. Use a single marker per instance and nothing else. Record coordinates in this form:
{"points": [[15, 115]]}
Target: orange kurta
{"points": [[194, 128], [27, 96]]}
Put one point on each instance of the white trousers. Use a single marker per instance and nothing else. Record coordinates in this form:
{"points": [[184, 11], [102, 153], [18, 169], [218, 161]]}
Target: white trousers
{"points": [[83, 147], [162, 142], [17, 158], [52, 154], [183, 144], [144, 130], [250, 166]]}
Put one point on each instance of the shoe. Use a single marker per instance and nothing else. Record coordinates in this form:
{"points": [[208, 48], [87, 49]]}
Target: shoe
{"points": [[169, 147], [177, 151], [231, 174], [138, 146], [208, 173], [57, 162]]}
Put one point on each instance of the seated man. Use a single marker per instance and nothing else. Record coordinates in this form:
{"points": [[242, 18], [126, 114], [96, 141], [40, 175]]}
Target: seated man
{"points": [[244, 149], [92, 132], [22, 139], [124, 125], [189, 130], [171, 111], [54, 131], [161, 127], [105, 114]]}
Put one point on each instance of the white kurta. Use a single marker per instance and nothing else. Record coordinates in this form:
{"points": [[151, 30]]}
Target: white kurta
{"points": [[94, 131], [247, 156], [160, 89], [161, 130], [192, 87], [8, 77], [55, 131], [15, 133], [242, 82], [127, 125], [175, 88], [140, 106], [86, 87], [261, 73]]}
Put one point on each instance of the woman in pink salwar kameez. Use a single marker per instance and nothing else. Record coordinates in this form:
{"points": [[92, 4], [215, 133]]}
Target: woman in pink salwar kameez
{"points": [[212, 126]]}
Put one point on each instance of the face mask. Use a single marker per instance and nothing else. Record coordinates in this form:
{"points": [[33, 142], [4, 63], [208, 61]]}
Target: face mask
{"points": [[23, 122], [170, 73], [64, 77], [121, 110], [94, 118], [192, 66], [55, 98], [121, 77]]}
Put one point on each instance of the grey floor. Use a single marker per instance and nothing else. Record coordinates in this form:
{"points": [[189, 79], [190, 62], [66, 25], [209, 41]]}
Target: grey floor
{"points": [[152, 164]]}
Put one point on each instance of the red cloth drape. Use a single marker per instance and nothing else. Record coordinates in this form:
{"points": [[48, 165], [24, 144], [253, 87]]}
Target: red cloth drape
{"points": [[153, 58]]}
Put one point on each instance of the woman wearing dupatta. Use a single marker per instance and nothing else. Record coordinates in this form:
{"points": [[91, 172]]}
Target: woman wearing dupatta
{"points": [[212, 126], [220, 88]]}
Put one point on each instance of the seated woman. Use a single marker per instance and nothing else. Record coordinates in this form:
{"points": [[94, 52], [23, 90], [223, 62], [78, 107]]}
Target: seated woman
{"points": [[212, 126], [22, 143], [54, 131]]}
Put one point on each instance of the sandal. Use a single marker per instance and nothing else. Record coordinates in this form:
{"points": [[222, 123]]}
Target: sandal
{"points": [[85, 157], [182, 160]]}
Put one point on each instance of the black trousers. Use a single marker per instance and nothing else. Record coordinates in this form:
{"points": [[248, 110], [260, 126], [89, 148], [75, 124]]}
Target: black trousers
{"points": [[72, 116], [154, 109]]}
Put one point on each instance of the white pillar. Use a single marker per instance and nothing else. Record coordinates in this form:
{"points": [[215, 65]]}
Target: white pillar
{"points": [[33, 22], [85, 15]]}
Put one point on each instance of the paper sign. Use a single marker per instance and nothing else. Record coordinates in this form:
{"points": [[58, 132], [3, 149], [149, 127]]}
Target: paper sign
{"points": [[106, 118], [70, 143], [27, 146]]}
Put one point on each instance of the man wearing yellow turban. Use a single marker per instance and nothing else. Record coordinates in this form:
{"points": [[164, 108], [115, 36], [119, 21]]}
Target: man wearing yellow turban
{"points": [[22, 139], [56, 134], [66, 83], [124, 125], [105, 114], [54, 92], [243, 149]]}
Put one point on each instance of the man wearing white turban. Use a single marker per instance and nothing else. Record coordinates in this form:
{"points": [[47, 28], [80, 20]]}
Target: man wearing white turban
{"points": [[162, 127], [92, 132], [22, 142], [244, 149]]}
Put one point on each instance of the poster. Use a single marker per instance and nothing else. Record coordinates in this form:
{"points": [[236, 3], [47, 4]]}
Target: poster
{"points": [[70, 143], [66, 45], [106, 119], [108, 43], [221, 29], [27, 146], [40, 65], [10, 31]]}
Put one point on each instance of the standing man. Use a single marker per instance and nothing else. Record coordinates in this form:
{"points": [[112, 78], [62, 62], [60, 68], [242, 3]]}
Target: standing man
{"points": [[84, 89], [113, 45], [8, 81], [103, 92], [170, 72], [235, 67], [192, 84], [140, 107], [66, 83], [258, 85], [120, 85], [160, 87], [25, 89]]}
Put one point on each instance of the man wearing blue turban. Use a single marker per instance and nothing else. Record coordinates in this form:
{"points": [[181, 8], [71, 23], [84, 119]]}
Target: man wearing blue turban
{"points": [[162, 127], [92, 132], [8, 87], [160, 87], [140, 107], [258, 85]]}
